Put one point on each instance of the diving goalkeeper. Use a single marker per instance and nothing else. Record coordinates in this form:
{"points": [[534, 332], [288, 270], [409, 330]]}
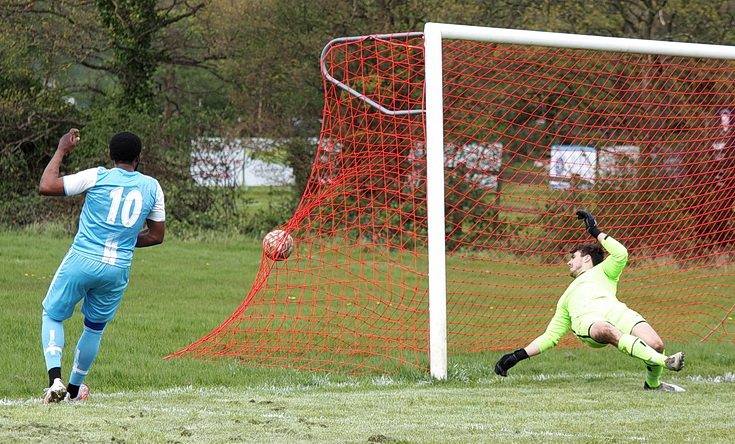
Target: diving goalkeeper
{"points": [[590, 309]]}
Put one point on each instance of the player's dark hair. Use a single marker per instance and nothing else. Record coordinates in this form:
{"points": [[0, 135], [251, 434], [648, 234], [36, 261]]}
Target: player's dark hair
{"points": [[593, 249], [125, 146]]}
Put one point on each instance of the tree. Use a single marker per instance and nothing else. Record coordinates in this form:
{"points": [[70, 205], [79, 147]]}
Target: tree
{"points": [[699, 21], [133, 27], [129, 41], [256, 62], [32, 110]]}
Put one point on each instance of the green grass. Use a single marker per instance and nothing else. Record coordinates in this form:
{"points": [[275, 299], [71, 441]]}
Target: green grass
{"points": [[180, 291]]}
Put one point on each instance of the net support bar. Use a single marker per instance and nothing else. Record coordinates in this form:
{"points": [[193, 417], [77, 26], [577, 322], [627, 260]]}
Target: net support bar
{"points": [[359, 95]]}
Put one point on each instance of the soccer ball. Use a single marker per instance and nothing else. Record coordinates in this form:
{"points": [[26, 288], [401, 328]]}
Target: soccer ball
{"points": [[278, 245]]}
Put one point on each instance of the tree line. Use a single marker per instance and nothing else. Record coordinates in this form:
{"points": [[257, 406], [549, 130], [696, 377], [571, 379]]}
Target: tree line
{"points": [[176, 70]]}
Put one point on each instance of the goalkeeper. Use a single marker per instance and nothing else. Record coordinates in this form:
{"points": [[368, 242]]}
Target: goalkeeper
{"points": [[590, 309]]}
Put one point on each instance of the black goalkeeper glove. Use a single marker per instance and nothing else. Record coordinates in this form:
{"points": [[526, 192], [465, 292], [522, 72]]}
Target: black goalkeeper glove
{"points": [[589, 222], [507, 361]]}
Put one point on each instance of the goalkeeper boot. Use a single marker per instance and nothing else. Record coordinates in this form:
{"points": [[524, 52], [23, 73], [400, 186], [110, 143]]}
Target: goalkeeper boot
{"points": [[675, 362], [55, 393], [81, 396], [664, 387]]}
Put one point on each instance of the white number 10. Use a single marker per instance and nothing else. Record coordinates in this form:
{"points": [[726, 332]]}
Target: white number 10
{"points": [[131, 208]]}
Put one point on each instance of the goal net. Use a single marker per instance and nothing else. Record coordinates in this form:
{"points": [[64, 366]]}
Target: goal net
{"points": [[529, 132]]}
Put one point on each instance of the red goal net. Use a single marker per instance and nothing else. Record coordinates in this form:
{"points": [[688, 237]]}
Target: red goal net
{"points": [[531, 135]]}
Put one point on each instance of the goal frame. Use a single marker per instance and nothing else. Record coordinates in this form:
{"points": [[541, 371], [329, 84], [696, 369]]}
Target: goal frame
{"points": [[434, 34]]}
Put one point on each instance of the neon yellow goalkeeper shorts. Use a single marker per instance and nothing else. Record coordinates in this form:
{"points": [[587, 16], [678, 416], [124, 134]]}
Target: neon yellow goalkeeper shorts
{"points": [[621, 317]]}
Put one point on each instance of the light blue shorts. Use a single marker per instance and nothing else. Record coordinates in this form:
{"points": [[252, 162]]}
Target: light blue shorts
{"points": [[100, 285]]}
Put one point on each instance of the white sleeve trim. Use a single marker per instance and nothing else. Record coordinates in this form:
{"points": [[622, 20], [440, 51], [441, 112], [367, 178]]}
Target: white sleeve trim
{"points": [[158, 212], [80, 182]]}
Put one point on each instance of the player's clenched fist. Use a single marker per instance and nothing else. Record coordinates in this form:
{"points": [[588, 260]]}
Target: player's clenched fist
{"points": [[68, 141]]}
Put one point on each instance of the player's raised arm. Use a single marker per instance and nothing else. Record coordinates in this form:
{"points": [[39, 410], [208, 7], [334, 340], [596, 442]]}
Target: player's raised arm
{"points": [[51, 183], [613, 266]]}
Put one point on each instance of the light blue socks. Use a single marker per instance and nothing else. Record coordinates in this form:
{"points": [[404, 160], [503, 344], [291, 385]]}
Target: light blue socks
{"points": [[52, 337], [87, 348]]}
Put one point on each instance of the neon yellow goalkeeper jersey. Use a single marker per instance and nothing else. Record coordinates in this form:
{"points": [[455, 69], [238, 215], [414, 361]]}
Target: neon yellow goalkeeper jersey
{"points": [[589, 298]]}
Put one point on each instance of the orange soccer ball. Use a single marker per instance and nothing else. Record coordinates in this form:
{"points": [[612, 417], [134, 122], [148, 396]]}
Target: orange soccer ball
{"points": [[278, 245]]}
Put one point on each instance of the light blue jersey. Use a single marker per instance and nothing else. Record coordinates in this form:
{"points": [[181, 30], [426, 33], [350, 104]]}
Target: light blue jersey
{"points": [[97, 265], [116, 206]]}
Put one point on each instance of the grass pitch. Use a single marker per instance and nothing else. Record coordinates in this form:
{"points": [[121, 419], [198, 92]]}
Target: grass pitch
{"points": [[180, 291]]}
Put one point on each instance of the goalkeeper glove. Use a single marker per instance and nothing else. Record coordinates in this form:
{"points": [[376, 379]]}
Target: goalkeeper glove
{"points": [[507, 361], [589, 222]]}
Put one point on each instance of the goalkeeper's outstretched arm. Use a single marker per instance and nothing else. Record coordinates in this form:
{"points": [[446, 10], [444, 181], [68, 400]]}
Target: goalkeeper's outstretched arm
{"points": [[560, 325]]}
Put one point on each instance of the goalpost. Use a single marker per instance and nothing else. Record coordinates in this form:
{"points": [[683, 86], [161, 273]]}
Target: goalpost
{"points": [[446, 177]]}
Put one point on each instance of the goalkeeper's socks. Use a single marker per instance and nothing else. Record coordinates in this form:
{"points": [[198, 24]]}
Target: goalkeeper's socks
{"points": [[653, 373], [637, 348], [87, 348]]}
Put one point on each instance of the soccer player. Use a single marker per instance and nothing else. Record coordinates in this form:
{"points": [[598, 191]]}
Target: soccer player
{"points": [[590, 309], [118, 203]]}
